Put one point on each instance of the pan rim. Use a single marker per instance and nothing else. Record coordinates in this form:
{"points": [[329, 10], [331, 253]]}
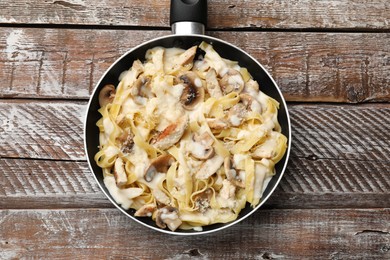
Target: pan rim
{"points": [[226, 225]]}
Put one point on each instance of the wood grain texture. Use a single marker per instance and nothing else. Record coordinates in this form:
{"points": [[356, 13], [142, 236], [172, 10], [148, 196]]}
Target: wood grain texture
{"points": [[222, 15], [267, 234], [48, 184], [29, 184], [54, 130], [339, 157], [42, 130], [317, 67]]}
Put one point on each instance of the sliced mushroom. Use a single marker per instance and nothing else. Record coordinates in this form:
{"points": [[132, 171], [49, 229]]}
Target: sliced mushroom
{"points": [[168, 216], [193, 92], [141, 88], [209, 167], [231, 173], [159, 164], [250, 102], [171, 134], [120, 173], [212, 84], [202, 147], [204, 138], [126, 141], [106, 95], [237, 114], [145, 211], [202, 200], [187, 57], [232, 81]]}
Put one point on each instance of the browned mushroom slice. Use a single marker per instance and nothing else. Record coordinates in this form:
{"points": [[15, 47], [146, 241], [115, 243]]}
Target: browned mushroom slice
{"points": [[159, 164], [171, 134], [250, 102], [209, 167], [193, 92], [120, 173], [141, 88], [231, 173], [202, 200], [106, 95], [237, 114], [126, 141], [202, 147], [145, 211], [168, 216], [232, 81], [212, 84]]}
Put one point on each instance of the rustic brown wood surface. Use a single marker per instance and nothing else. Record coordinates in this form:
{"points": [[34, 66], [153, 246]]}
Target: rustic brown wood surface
{"points": [[267, 234], [331, 61], [326, 67], [271, 14]]}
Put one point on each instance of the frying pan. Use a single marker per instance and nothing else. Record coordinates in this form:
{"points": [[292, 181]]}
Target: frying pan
{"points": [[188, 20]]}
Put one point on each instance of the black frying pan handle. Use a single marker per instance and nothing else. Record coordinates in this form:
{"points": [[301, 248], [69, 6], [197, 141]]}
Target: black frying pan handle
{"points": [[189, 11]]}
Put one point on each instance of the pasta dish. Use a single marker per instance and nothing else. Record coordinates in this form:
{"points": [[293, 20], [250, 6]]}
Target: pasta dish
{"points": [[187, 138]]}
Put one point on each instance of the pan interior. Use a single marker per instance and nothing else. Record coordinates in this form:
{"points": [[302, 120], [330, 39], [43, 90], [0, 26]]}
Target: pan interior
{"points": [[267, 85]]}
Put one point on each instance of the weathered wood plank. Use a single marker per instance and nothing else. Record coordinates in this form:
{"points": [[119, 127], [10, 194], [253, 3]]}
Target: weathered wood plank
{"points": [[222, 14], [42, 130], [323, 67], [54, 130], [28, 184], [269, 234], [48, 184]]}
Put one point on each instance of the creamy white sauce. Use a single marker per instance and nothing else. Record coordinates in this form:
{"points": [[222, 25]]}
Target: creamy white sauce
{"points": [[239, 159], [262, 99], [235, 80], [242, 134], [197, 149], [242, 175], [197, 229], [168, 215], [198, 82], [129, 107], [170, 58], [176, 91], [108, 126], [255, 106], [121, 196], [111, 151], [235, 120], [223, 71], [139, 158], [260, 174]]}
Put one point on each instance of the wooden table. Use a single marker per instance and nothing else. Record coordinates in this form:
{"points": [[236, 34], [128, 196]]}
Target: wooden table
{"points": [[331, 60]]}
